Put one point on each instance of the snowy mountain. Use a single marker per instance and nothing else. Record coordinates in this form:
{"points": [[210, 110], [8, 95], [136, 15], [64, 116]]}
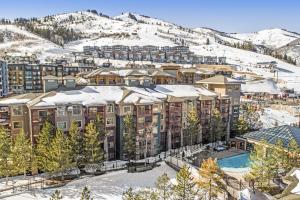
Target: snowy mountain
{"points": [[135, 29], [271, 38], [17, 40]]}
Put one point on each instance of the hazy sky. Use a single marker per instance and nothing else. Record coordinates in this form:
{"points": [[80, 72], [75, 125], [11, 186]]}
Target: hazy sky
{"points": [[224, 15]]}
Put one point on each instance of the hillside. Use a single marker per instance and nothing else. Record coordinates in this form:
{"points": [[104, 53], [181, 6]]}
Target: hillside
{"points": [[90, 28], [271, 38]]}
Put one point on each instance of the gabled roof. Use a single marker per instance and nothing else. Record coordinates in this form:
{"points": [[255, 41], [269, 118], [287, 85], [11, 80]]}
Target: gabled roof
{"points": [[220, 79], [285, 133], [162, 73]]}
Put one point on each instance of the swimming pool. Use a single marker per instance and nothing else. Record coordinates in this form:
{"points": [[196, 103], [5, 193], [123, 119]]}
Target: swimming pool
{"points": [[238, 163]]}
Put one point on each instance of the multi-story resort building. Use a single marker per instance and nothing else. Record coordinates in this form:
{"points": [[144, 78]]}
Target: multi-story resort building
{"points": [[176, 54], [3, 79], [159, 112], [24, 78]]}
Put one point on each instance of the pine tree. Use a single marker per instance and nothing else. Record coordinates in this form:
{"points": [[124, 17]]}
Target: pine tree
{"points": [[293, 154], [129, 137], [185, 187], [21, 154], [92, 147], [241, 126], [5, 152], [163, 186], [59, 153], [56, 195], [75, 142], [86, 194], [217, 126], [211, 178], [192, 127], [280, 156], [259, 169], [43, 145]]}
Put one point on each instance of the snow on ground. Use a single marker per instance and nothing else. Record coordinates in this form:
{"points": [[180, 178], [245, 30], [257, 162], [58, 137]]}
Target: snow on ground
{"points": [[270, 117], [246, 61], [109, 186], [296, 190], [272, 38]]}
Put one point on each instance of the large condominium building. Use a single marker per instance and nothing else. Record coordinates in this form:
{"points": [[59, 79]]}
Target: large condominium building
{"points": [[160, 114], [3, 79], [226, 87]]}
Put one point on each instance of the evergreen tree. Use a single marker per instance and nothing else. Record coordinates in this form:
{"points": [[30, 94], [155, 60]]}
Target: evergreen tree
{"points": [[129, 137], [86, 194], [56, 195], [217, 126], [21, 154], [211, 178], [163, 186], [280, 156], [185, 187], [5, 152], [75, 142], [139, 195], [259, 169], [59, 153], [43, 146], [293, 154], [192, 128], [92, 147], [242, 126]]}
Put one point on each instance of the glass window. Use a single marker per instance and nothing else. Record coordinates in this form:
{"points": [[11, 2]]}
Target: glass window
{"points": [[76, 110], [161, 116], [17, 110], [141, 120], [61, 111], [42, 113], [110, 121], [110, 108], [126, 109], [17, 125], [62, 125]]}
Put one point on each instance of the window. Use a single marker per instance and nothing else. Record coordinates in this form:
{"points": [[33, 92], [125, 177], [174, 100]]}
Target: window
{"points": [[161, 116], [110, 121], [61, 111], [110, 108], [110, 132], [42, 113], [111, 145], [17, 110], [141, 120], [61, 125], [161, 127], [126, 109], [76, 110], [79, 123], [17, 125]]}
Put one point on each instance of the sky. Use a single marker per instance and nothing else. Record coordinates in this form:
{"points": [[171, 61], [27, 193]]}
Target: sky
{"points": [[224, 15]]}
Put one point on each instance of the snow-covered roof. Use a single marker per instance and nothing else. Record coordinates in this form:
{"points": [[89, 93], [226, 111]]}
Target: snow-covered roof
{"points": [[261, 86], [219, 79], [183, 90]]}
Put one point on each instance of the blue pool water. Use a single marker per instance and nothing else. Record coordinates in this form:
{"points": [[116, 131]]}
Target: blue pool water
{"points": [[239, 163]]}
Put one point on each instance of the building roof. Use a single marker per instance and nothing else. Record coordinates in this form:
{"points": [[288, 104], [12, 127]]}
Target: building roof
{"points": [[219, 79], [268, 86], [271, 135], [51, 77], [102, 95]]}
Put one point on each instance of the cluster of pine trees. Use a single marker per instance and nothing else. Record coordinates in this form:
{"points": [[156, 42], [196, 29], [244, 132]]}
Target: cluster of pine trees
{"points": [[249, 120], [54, 151], [285, 58], [192, 128], [85, 195], [270, 161], [210, 184]]}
